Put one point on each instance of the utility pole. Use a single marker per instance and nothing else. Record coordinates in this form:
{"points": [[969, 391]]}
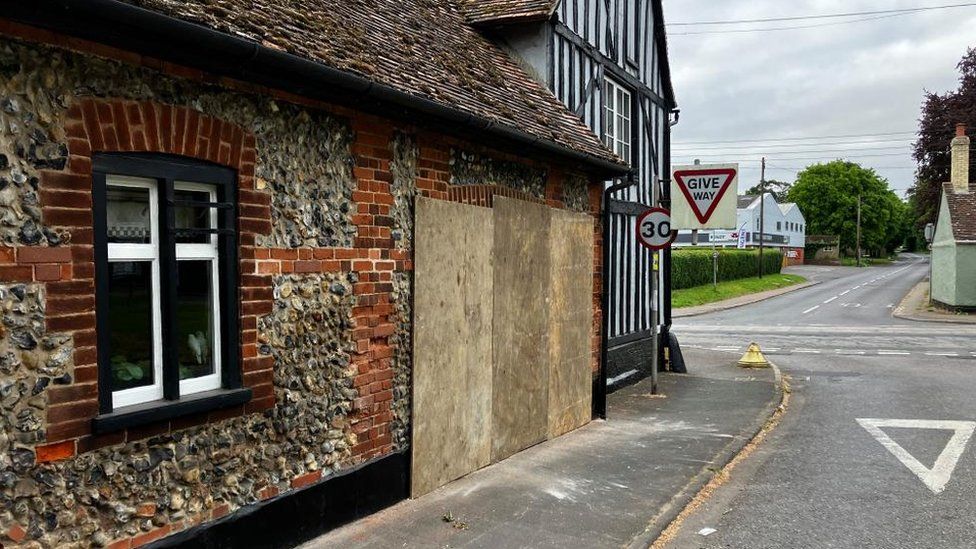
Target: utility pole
{"points": [[858, 252], [762, 214]]}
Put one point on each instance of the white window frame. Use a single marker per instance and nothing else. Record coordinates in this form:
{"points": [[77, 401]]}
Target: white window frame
{"points": [[128, 252], [204, 252], [618, 115]]}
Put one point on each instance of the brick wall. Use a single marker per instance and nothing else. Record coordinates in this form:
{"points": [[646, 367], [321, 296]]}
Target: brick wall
{"points": [[375, 266]]}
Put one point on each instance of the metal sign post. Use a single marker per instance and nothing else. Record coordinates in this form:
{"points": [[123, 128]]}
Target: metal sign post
{"points": [[654, 232]]}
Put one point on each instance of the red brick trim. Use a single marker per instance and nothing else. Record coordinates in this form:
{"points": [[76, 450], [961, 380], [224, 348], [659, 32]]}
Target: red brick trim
{"points": [[484, 195], [96, 125]]}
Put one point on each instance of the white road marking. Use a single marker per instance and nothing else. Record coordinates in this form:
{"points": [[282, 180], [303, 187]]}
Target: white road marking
{"points": [[942, 354], [829, 300], [895, 353], [814, 308], [811, 351], [938, 476], [848, 352], [845, 292], [771, 350], [621, 377]]}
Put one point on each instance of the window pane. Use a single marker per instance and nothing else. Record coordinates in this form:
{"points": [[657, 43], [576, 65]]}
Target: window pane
{"points": [[195, 318], [128, 214], [193, 217], [130, 324]]}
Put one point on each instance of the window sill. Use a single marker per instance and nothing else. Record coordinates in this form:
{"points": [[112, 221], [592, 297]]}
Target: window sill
{"points": [[152, 412]]}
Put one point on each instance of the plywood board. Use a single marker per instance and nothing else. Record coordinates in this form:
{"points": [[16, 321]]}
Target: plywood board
{"points": [[452, 357], [570, 322], [520, 320]]}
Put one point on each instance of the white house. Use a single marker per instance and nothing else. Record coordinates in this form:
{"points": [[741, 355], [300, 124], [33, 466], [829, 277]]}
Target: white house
{"points": [[784, 228]]}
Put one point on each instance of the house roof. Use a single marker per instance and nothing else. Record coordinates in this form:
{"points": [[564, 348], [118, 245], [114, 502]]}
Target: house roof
{"points": [[423, 48], [507, 11], [500, 12], [962, 212], [745, 201]]}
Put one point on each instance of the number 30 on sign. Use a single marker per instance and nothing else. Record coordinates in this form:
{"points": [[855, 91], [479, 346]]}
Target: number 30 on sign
{"points": [[654, 229]]}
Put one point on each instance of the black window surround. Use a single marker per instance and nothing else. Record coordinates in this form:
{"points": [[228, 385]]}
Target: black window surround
{"points": [[165, 170]]}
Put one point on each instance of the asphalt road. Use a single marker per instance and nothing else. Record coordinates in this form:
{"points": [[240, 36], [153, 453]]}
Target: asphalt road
{"points": [[873, 451]]}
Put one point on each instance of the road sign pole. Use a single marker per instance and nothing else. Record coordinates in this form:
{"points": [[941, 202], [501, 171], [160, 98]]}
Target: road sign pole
{"points": [[762, 214], [714, 267], [858, 253]]}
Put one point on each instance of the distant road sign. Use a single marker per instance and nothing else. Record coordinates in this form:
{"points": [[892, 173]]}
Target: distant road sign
{"points": [[654, 229], [709, 192]]}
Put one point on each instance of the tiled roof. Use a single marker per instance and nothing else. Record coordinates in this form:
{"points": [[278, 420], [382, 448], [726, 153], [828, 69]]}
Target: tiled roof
{"points": [[507, 11], [421, 47], [962, 212]]}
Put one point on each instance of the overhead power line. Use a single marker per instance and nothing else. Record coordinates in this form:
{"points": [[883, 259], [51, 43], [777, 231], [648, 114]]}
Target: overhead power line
{"points": [[806, 151], [821, 16], [791, 27], [829, 157], [776, 139], [781, 145]]}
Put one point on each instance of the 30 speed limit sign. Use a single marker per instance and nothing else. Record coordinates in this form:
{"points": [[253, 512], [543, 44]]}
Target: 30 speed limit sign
{"points": [[654, 229]]}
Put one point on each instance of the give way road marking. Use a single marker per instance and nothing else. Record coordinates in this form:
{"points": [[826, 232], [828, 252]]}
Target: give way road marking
{"points": [[938, 476]]}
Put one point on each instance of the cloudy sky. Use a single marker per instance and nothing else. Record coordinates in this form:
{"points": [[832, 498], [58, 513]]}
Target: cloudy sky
{"points": [[838, 78]]}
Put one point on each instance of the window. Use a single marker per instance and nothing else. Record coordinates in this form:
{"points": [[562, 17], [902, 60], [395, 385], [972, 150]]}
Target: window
{"points": [[617, 120], [166, 272], [779, 226]]}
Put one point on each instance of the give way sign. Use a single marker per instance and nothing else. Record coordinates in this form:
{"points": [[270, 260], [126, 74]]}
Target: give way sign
{"points": [[654, 229], [709, 196]]}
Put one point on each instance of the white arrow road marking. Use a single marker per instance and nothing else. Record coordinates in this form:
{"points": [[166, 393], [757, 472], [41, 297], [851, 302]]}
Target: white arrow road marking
{"points": [[938, 476]]}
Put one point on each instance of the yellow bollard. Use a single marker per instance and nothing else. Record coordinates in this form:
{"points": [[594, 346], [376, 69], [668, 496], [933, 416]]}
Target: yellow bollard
{"points": [[753, 358]]}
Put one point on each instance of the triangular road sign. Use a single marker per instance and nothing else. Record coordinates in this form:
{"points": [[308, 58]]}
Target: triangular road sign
{"points": [[704, 188], [938, 476]]}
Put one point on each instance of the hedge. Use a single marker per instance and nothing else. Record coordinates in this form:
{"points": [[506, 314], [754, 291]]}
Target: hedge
{"points": [[691, 268]]}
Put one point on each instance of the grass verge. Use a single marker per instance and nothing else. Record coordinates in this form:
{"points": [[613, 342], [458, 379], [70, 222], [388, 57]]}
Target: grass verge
{"points": [[700, 295], [865, 262]]}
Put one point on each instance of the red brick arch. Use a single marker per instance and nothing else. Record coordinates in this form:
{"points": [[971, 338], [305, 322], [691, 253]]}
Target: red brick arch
{"points": [[94, 125]]}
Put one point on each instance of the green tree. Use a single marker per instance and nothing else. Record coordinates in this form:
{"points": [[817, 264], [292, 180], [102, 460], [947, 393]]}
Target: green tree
{"points": [[827, 194], [779, 189], [937, 126]]}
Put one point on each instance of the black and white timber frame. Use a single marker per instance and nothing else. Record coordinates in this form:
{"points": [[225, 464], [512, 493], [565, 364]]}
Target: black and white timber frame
{"points": [[584, 45]]}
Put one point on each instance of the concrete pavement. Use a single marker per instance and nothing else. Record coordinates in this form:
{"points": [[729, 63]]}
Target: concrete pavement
{"points": [[609, 484], [915, 306], [822, 479]]}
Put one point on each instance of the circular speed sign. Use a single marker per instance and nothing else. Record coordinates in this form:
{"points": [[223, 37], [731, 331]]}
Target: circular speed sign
{"points": [[654, 229]]}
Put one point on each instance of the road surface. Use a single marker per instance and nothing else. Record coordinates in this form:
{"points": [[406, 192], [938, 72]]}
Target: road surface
{"points": [[875, 449]]}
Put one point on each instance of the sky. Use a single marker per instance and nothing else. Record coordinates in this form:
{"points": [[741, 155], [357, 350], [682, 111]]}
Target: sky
{"points": [[856, 78]]}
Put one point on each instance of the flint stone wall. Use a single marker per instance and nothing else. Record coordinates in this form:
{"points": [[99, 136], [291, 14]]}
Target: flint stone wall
{"points": [[468, 168], [124, 490], [305, 161], [304, 157]]}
